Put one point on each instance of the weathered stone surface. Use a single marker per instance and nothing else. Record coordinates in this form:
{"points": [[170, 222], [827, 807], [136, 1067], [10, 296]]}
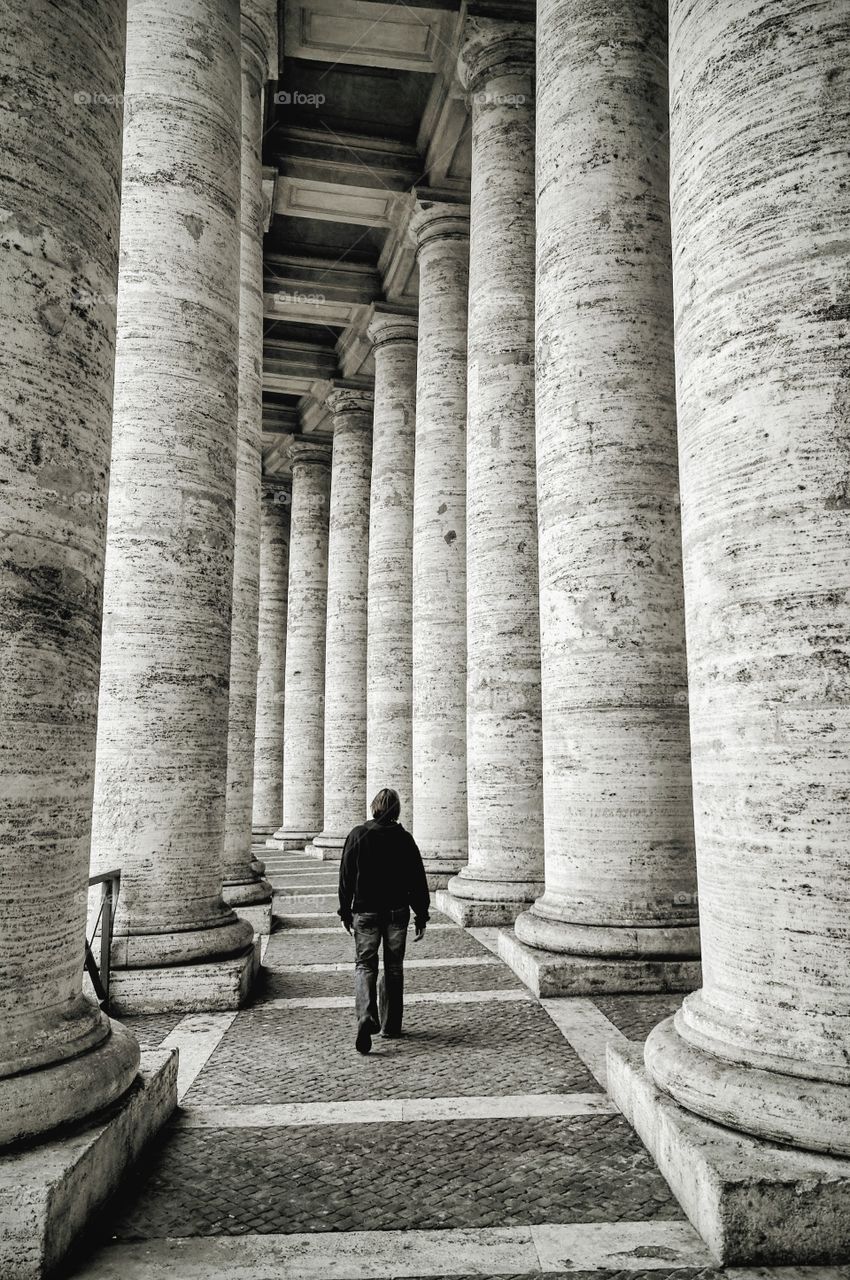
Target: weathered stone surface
{"points": [[59, 195], [617, 793], [441, 233], [271, 660], [389, 662], [52, 1192], [345, 637], [214, 985], [760, 196], [550, 973], [162, 725], [504, 748], [753, 1202], [304, 686], [243, 886]]}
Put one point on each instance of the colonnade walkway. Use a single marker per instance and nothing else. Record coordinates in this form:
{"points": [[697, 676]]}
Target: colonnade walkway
{"points": [[482, 1143]]}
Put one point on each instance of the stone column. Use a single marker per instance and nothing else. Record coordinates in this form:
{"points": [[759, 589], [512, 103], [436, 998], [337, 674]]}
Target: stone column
{"points": [[619, 906], [162, 732], [244, 888], [271, 658], [345, 655], [60, 1057], [389, 667], [304, 680], [441, 234], [761, 324], [504, 747]]}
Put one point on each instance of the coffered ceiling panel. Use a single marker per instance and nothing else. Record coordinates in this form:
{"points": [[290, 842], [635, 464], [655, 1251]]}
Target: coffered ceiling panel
{"points": [[353, 31]]}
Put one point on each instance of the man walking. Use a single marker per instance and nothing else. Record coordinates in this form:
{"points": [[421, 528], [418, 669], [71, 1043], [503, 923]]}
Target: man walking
{"points": [[381, 877]]}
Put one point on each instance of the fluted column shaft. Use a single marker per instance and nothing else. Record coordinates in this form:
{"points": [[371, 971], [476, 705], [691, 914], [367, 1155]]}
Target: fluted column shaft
{"points": [[271, 656], [619, 828], [389, 667], [504, 735], [242, 885], [162, 731], [345, 654], [441, 233], [60, 1057], [760, 197], [304, 682]]}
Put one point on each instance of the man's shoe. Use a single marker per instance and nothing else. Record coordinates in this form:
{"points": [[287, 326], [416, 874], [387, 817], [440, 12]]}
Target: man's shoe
{"points": [[363, 1043], [392, 1035], [374, 1026]]}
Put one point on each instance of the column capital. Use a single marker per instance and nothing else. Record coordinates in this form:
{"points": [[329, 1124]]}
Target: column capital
{"points": [[438, 220], [387, 327], [347, 405], [257, 28], [493, 47], [306, 450]]}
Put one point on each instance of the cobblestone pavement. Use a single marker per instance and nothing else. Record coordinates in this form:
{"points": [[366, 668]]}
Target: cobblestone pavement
{"points": [[525, 1136]]}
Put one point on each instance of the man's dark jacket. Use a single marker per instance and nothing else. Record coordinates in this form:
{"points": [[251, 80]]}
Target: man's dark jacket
{"points": [[381, 870]]}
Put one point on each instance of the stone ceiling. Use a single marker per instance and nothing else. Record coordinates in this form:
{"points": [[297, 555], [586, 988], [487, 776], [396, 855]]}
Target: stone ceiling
{"points": [[367, 108]]}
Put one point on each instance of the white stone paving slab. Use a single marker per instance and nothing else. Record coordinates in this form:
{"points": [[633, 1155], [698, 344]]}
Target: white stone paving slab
{"points": [[393, 1255], [397, 1110], [337, 928], [350, 1255], [587, 1031], [416, 997], [615, 1246], [453, 962], [196, 1036]]}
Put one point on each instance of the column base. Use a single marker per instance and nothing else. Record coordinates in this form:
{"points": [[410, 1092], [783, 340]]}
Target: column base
{"points": [[474, 913], [50, 1193], [216, 986], [260, 833], [286, 839], [42, 1099], [477, 900], [551, 973], [259, 916], [323, 853], [752, 1201]]}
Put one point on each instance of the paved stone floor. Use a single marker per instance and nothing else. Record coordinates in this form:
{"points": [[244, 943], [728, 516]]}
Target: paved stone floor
{"points": [[481, 1144]]}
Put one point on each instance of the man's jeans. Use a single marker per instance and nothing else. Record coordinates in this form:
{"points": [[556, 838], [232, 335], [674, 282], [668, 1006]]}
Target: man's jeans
{"points": [[370, 929]]}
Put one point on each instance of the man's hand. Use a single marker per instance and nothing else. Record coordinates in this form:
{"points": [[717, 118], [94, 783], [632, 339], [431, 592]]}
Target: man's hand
{"points": [[420, 933], [346, 924]]}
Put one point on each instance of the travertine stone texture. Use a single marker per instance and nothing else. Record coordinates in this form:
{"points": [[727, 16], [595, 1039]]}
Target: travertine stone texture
{"points": [[60, 196], [620, 876], [271, 657], [243, 886], [162, 728], [760, 187], [389, 678], [753, 1202], [345, 652], [52, 1192], [304, 683], [504, 738], [441, 234]]}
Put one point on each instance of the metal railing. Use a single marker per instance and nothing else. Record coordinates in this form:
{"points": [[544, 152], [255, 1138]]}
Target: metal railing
{"points": [[110, 882]]}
